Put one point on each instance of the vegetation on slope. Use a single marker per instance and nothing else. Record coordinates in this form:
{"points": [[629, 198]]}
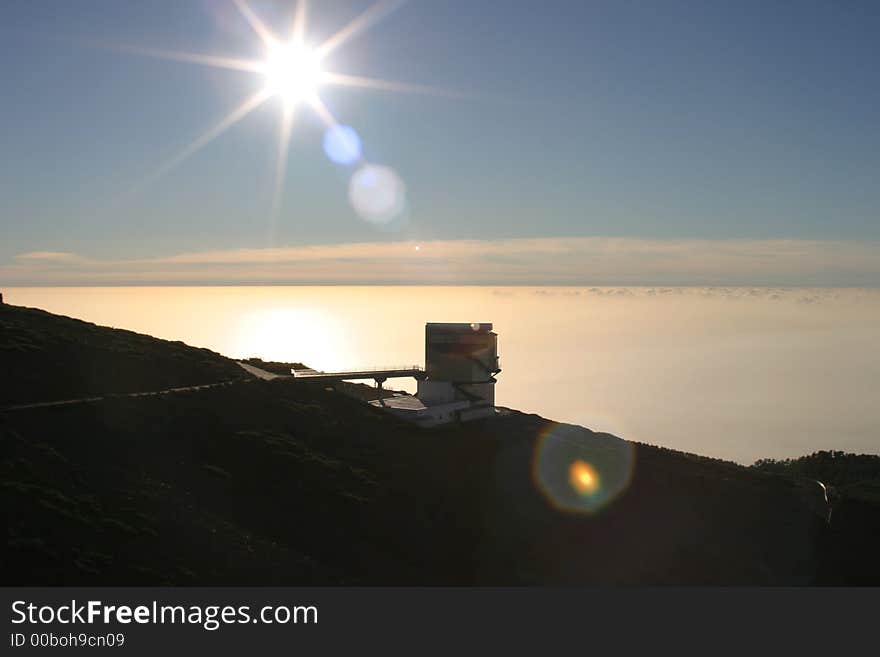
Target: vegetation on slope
{"points": [[834, 468], [852, 542]]}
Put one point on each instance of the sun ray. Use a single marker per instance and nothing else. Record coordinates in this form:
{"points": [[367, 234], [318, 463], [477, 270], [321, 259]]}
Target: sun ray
{"points": [[258, 26], [287, 115], [345, 80], [216, 61], [360, 23], [236, 115], [299, 22], [322, 111]]}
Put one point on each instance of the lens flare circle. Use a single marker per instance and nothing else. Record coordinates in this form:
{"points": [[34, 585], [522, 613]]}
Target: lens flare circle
{"points": [[583, 477], [377, 193], [342, 144], [579, 471]]}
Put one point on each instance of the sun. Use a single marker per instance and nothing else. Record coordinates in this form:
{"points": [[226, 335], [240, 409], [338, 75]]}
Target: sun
{"points": [[292, 71]]}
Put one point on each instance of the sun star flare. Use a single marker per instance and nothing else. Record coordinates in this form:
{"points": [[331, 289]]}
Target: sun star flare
{"points": [[293, 71]]}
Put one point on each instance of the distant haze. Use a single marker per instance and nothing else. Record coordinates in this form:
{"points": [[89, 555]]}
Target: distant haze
{"points": [[529, 261], [733, 372]]}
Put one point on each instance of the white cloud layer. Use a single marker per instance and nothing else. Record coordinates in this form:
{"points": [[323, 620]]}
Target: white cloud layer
{"points": [[538, 261]]}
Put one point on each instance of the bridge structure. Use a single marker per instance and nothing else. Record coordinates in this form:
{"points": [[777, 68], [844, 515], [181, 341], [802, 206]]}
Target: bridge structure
{"points": [[377, 374]]}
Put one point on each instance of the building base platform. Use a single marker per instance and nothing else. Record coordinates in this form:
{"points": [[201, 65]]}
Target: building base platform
{"points": [[412, 409]]}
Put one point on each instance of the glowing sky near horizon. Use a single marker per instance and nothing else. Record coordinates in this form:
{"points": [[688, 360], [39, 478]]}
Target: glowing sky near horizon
{"points": [[736, 373]]}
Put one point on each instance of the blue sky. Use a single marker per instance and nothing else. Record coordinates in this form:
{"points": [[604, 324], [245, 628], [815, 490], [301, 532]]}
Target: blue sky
{"points": [[707, 121]]}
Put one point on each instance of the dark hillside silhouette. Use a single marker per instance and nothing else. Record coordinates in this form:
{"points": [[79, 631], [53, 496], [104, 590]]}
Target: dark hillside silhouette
{"points": [[274, 482], [48, 357], [834, 468]]}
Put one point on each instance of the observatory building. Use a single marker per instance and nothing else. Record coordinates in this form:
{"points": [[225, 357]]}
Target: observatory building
{"points": [[458, 383]]}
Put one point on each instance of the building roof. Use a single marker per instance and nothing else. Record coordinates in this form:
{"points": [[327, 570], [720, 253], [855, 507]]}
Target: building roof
{"points": [[459, 327]]}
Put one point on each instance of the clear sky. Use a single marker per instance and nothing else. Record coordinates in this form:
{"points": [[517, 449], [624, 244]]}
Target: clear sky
{"points": [[677, 127]]}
